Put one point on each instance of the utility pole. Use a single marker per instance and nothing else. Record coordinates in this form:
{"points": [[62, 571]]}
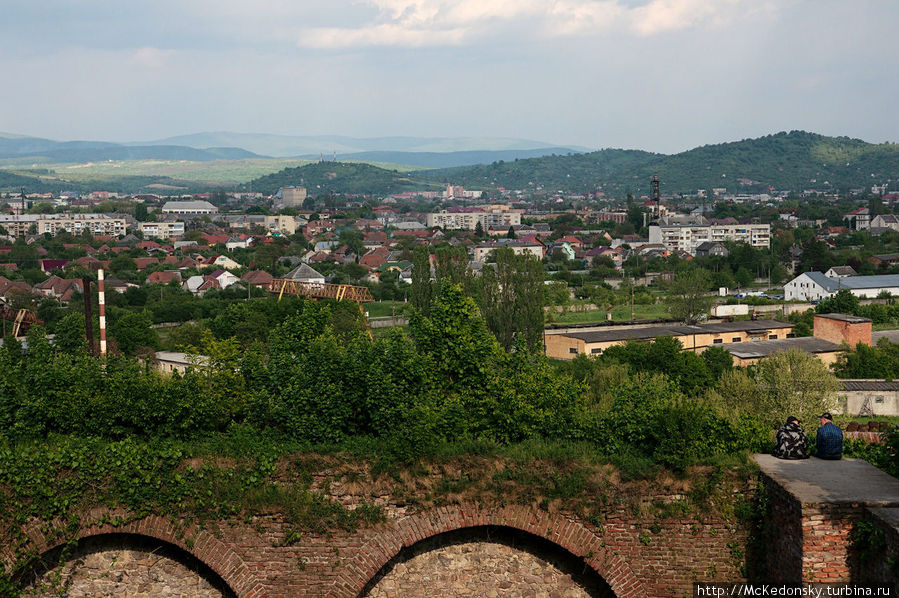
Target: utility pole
{"points": [[632, 302], [88, 316]]}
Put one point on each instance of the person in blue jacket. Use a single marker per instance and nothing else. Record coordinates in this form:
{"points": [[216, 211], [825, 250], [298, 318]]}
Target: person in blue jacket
{"points": [[829, 439]]}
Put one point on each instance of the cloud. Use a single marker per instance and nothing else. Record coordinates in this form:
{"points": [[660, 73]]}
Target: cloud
{"points": [[153, 58], [414, 23]]}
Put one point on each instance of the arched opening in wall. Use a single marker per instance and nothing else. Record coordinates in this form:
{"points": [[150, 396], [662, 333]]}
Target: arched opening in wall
{"points": [[117, 565], [486, 561]]}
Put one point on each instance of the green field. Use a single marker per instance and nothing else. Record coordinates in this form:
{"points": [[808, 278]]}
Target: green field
{"points": [[215, 171], [620, 313]]}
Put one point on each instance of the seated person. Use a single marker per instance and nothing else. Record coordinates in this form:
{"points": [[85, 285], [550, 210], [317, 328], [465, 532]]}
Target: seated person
{"points": [[829, 439], [791, 442]]}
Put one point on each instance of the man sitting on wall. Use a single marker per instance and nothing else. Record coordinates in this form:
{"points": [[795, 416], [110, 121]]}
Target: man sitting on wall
{"points": [[829, 439], [791, 442]]}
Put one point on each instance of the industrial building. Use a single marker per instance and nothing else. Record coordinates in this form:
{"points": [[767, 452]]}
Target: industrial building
{"points": [[568, 345]]}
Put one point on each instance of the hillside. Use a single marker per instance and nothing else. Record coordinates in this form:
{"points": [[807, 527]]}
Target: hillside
{"points": [[340, 177], [795, 160]]}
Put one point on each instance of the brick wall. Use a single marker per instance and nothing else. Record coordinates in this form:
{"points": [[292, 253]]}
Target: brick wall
{"points": [[838, 331], [636, 554]]}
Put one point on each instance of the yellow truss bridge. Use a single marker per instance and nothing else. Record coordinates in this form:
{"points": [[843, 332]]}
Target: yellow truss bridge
{"points": [[320, 290]]}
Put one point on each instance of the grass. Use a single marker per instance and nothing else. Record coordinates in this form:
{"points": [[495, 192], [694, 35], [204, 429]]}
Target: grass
{"points": [[383, 309], [620, 313]]}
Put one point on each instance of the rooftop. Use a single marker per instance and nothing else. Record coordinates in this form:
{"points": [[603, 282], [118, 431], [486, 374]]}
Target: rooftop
{"points": [[844, 318], [759, 349], [601, 336]]}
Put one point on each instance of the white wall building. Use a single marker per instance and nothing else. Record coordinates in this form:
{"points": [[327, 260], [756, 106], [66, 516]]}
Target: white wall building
{"points": [[195, 208], [468, 220], [162, 230], [96, 224], [687, 237], [814, 286]]}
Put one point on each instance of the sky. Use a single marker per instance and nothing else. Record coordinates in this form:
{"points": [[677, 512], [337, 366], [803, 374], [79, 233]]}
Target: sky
{"points": [[658, 75]]}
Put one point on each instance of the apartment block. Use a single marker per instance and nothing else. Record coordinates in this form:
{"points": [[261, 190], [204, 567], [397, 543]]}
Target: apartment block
{"points": [[469, 219], [96, 224], [162, 230]]}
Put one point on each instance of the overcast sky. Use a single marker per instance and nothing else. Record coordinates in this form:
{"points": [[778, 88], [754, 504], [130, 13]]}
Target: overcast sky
{"points": [[660, 75]]}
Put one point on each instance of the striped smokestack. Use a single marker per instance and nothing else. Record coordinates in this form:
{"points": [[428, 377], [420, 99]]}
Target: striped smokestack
{"points": [[101, 296]]}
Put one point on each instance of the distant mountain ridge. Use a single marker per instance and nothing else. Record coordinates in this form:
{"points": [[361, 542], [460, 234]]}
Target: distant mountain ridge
{"points": [[94, 151], [284, 146], [796, 160]]}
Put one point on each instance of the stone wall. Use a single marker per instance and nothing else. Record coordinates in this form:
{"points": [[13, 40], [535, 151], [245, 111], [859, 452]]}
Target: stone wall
{"points": [[486, 562], [113, 566]]}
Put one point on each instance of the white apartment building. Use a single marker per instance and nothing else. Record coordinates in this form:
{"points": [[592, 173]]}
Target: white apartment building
{"points": [[96, 224], [468, 220], [162, 230], [687, 237]]}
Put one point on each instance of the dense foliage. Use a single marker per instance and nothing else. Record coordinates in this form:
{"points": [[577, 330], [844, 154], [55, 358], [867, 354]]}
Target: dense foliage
{"points": [[795, 160], [340, 177], [322, 379]]}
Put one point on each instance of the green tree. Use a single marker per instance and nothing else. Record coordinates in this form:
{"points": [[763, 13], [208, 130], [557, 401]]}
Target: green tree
{"points": [[511, 233], [842, 302], [132, 330], [70, 336], [794, 383], [688, 296], [512, 298], [479, 230], [422, 289]]}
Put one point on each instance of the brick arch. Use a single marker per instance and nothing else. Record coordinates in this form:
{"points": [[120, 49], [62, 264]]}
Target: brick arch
{"points": [[565, 532], [203, 545]]}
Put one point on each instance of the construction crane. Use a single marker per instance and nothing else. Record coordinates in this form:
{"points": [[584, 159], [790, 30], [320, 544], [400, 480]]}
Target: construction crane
{"points": [[22, 319], [323, 290]]}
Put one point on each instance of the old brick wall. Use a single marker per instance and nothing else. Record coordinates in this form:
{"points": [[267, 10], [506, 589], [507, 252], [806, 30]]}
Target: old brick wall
{"points": [[782, 534], [637, 555]]}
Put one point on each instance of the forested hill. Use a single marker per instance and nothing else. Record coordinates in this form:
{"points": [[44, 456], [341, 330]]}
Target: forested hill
{"points": [[795, 160], [341, 177]]}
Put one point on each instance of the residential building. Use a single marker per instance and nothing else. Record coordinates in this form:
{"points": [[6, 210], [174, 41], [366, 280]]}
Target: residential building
{"points": [[277, 223], [482, 251], [168, 362], [76, 224], [840, 272], [162, 230], [292, 197], [710, 248], [890, 221], [688, 237], [859, 219], [468, 219]]}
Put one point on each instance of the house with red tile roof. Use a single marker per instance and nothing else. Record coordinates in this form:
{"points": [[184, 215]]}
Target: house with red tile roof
{"points": [[61, 288], [259, 278], [8, 287], [147, 245], [164, 277], [145, 262], [375, 258]]}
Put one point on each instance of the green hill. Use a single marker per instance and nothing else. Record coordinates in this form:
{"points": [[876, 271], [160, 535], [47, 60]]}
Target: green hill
{"points": [[341, 177], [795, 160]]}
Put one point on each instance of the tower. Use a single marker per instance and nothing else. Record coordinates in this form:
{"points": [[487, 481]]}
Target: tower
{"points": [[655, 196]]}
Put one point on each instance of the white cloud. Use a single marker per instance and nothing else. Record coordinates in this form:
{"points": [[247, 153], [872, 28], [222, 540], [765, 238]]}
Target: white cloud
{"points": [[446, 22], [150, 57]]}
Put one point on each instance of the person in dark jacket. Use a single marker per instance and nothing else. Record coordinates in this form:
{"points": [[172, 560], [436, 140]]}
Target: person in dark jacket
{"points": [[791, 442], [829, 439]]}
